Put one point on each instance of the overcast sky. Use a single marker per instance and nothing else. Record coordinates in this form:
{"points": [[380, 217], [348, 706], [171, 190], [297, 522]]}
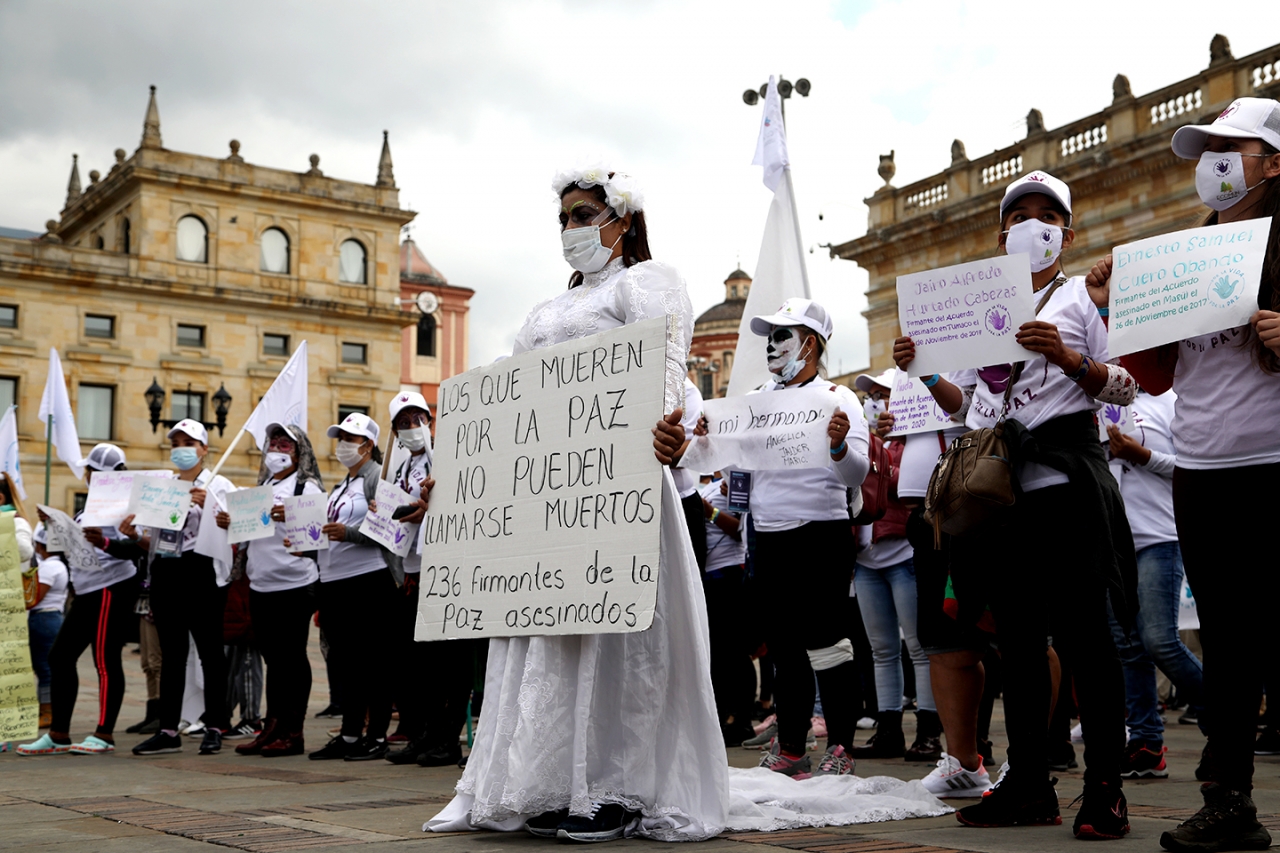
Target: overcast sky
{"points": [[486, 99]]}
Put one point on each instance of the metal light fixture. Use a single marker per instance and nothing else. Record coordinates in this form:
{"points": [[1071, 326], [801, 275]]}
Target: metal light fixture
{"points": [[221, 405], [802, 87], [155, 404]]}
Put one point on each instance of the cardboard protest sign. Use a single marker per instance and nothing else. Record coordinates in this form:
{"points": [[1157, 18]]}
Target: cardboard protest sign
{"points": [[304, 518], [966, 315], [1185, 284], [159, 503], [250, 511], [68, 537], [19, 705], [764, 432], [379, 526], [109, 492], [546, 514], [913, 407]]}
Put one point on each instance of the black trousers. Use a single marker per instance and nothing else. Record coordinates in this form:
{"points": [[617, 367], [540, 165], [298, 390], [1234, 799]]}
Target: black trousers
{"points": [[864, 680], [358, 615], [1219, 512], [414, 681], [101, 621], [281, 623], [733, 678], [1041, 586], [187, 604], [695, 517], [438, 677], [815, 560]]}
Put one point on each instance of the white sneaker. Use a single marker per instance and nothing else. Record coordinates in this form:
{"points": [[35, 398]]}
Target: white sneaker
{"points": [[1077, 733], [196, 729], [950, 779], [866, 723]]}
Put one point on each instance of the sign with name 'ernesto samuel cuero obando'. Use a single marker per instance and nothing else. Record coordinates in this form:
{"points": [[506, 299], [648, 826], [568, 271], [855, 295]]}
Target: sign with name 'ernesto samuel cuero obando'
{"points": [[1184, 284], [546, 512], [966, 315]]}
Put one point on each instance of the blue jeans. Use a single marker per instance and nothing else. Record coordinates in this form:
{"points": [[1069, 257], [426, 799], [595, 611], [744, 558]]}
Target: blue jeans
{"points": [[42, 630], [887, 599], [1154, 642]]}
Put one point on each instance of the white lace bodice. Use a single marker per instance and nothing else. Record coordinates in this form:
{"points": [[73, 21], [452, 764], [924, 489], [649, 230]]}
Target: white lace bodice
{"points": [[613, 297]]}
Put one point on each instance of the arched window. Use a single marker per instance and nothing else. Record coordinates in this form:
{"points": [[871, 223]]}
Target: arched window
{"points": [[124, 236], [351, 263], [99, 243], [275, 251], [193, 240], [427, 335]]}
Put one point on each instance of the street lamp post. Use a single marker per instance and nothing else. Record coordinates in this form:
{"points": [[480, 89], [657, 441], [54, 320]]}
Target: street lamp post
{"points": [[751, 97], [155, 403]]}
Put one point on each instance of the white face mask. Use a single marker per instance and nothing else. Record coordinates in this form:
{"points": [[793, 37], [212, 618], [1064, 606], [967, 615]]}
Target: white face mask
{"points": [[872, 409], [1220, 178], [783, 352], [413, 440], [583, 250], [277, 462], [1041, 241], [348, 453]]}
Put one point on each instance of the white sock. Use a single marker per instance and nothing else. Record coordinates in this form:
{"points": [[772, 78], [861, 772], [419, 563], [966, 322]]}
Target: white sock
{"points": [[349, 739]]}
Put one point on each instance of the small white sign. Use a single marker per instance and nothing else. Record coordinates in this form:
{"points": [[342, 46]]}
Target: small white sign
{"points": [[109, 492], [68, 537], [250, 511], [304, 518], [160, 503], [769, 431], [913, 407], [1184, 284], [395, 536], [966, 315], [1112, 415]]}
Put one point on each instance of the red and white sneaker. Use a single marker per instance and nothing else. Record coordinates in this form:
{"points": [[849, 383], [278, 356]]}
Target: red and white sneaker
{"points": [[834, 762], [796, 768], [950, 779], [1142, 762]]}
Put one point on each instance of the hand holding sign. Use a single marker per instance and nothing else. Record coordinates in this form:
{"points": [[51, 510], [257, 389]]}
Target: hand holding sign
{"points": [[793, 428], [250, 511], [304, 520], [394, 535]]}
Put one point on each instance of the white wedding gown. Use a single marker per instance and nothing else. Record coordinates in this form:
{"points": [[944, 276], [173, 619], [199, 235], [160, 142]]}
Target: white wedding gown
{"points": [[631, 718]]}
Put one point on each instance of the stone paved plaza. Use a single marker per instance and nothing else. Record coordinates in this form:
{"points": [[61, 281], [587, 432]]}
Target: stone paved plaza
{"points": [[82, 804]]}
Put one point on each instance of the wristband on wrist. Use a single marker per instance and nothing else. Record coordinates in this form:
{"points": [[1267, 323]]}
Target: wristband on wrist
{"points": [[836, 451], [1104, 312], [930, 381], [1085, 364], [715, 513]]}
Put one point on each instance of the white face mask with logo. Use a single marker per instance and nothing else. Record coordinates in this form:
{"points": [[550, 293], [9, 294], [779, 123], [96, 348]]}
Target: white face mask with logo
{"points": [[583, 250], [1041, 241], [872, 409], [1220, 178], [277, 461], [413, 440]]}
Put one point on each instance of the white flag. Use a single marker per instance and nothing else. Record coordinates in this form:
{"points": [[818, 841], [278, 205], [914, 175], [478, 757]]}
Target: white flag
{"points": [[55, 403], [780, 269], [285, 401], [9, 449]]}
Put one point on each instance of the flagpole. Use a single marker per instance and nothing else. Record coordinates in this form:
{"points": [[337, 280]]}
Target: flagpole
{"points": [[795, 217], [48, 455], [226, 454]]}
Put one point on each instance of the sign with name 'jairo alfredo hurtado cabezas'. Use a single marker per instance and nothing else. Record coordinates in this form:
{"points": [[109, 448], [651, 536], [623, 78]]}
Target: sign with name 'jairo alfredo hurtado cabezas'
{"points": [[546, 513]]}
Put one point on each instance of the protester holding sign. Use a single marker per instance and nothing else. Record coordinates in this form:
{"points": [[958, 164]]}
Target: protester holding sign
{"points": [[1233, 373], [188, 597], [359, 582], [100, 616]]}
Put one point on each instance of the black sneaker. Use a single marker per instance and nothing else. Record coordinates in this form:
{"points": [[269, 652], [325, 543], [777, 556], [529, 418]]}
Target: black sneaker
{"points": [[158, 744], [1228, 821], [1062, 757], [441, 756], [882, 744], [331, 711], [368, 749], [924, 749], [410, 752], [987, 750], [1140, 761], [1103, 814], [335, 750], [608, 822], [546, 824], [211, 743], [246, 730], [1204, 770], [1268, 742], [1006, 805]]}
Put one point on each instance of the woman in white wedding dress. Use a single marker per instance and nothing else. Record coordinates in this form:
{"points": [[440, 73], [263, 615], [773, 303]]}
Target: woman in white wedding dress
{"points": [[589, 736]]}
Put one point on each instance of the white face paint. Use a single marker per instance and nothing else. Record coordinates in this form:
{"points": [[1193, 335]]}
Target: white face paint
{"points": [[783, 353]]}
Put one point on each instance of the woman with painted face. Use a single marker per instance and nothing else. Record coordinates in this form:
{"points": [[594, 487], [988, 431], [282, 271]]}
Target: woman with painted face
{"points": [[282, 577], [188, 598], [359, 582], [1232, 374], [1061, 471], [804, 542]]}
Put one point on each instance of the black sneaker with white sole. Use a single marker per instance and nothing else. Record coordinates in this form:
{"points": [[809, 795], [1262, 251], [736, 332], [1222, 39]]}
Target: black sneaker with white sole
{"points": [[368, 749], [608, 822], [547, 824], [159, 744]]}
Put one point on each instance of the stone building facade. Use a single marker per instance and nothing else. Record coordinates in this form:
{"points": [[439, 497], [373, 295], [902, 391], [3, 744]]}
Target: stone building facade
{"points": [[202, 273], [1126, 184], [715, 337]]}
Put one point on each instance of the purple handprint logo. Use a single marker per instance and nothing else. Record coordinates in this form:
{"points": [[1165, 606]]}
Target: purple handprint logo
{"points": [[1113, 413], [998, 320], [400, 534], [313, 531], [996, 377]]}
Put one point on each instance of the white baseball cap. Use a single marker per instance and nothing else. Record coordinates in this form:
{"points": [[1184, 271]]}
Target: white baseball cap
{"points": [[795, 312], [195, 429], [103, 457], [290, 432], [1037, 182], [40, 535], [865, 381], [1246, 118], [355, 424], [407, 400]]}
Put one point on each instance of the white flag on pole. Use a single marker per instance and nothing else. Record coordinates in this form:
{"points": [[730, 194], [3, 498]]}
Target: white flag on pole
{"points": [[9, 449], [56, 403], [780, 269], [285, 401]]}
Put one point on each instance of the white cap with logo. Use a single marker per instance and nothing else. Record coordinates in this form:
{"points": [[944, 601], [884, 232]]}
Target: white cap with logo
{"points": [[865, 381], [796, 311], [1037, 182], [406, 400], [1246, 118], [104, 457], [355, 424], [195, 429]]}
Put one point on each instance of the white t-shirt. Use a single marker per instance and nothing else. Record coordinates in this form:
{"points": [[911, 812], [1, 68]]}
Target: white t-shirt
{"points": [[348, 505], [785, 500], [112, 569], [54, 573], [723, 550], [1228, 409], [1148, 489], [409, 475], [1044, 392], [920, 455], [686, 480], [889, 551], [269, 565]]}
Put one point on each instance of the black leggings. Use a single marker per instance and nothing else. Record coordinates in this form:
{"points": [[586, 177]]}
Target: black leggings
{"points": [[414, 681], [733, 678], [1219, 512], [695, 518], [358, 615], [103, 621], [815, 560], [281, 623], [187, 604]]}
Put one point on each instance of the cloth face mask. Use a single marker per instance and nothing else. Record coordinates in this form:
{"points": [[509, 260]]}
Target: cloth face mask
{"points": [[277, 462], [413, 440], [872, 409], [348, 453], [583, 250], [783, 354], [1041, 241], [184, 457], [1220, 178]]}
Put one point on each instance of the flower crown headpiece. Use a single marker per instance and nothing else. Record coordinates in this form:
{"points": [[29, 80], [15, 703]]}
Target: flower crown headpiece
{"points": [[621, 191]]}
